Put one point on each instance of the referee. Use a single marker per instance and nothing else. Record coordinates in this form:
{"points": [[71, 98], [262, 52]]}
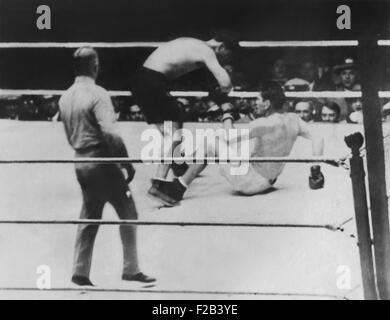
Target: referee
{"points": [[90, 125]]}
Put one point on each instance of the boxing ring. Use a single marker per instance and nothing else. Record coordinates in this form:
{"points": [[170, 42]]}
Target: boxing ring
{"points": [[175, 218]]}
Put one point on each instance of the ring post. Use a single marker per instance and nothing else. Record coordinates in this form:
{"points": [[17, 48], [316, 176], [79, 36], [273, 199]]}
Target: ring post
{"points": [[369, 58], [355, 142]]}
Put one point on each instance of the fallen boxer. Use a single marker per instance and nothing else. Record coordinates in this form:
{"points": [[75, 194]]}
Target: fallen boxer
{"points": [[274, 133]]}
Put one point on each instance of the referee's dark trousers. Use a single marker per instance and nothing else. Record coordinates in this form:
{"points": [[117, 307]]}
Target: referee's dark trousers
{"points": [[102, 183]]}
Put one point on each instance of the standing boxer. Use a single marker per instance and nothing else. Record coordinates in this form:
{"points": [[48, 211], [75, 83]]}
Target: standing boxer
{"points": [[152, 85], [90, 126]]}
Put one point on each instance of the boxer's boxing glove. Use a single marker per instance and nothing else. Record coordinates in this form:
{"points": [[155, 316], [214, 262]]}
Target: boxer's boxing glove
{"points": [[316, 179]]}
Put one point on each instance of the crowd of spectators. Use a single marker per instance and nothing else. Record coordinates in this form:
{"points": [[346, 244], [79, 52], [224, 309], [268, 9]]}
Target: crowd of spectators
{"points": [[29, 108], [308, 77]]}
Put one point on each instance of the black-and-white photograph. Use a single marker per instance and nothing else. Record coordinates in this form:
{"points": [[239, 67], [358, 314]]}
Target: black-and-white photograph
{"points": [[194, 150]]}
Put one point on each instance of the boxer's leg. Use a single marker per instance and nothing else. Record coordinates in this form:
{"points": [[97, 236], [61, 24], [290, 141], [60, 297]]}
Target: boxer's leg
{"points": [[171, 193], [207, 150], [167, 130], [249, 184]]}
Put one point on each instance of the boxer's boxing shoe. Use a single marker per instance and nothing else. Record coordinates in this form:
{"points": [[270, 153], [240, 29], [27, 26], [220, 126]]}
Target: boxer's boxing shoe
{"points": [[82, 281], [156, 191], [179, 169], [170, 193], [140, 277]]}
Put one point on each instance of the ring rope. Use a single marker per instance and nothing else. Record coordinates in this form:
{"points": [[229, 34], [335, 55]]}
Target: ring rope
{"points": [[341, 225], [383, 42], [329, 227], [166, 291], [243, 44], [203, 94], [330, 161]]}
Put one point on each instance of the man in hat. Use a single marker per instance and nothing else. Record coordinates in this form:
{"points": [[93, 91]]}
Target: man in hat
{"points": [[346, 76]]}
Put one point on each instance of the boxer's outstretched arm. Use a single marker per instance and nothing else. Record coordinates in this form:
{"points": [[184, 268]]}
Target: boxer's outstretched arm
{"points": [[317, 141], [220, 74]]}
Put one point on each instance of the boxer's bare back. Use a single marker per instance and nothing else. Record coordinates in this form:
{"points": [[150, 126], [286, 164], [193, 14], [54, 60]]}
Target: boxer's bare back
{"points": [[183, 55], [275, 136]]}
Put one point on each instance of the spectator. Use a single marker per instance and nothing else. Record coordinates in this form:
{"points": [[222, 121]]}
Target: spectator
{"points": [[121, 108], [348, 76], [206, 112], [356, 116], [309, 80], [29, 109], [11, 108], [305, 110], [310, 72], [245, 107], [294, 85], [330, 113], [184, 104], [386, 112], [136, 113], [192, 108], [279, 72], [297, 84], [238, 78], [242, 104], [49, 109], [213, 113]]}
